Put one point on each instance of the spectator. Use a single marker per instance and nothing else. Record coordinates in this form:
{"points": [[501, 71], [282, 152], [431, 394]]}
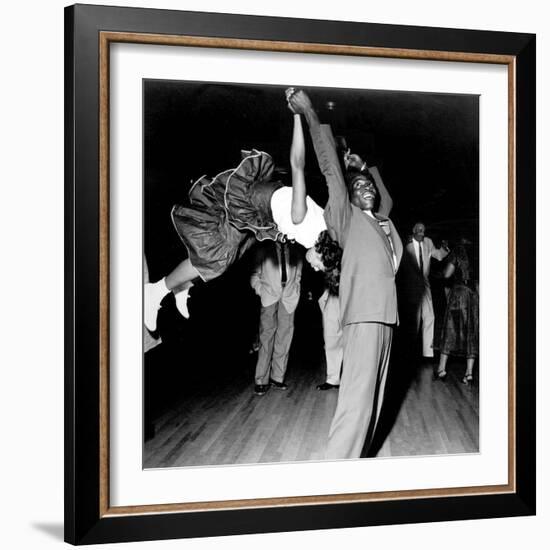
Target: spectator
{"points": [[276, 280]]}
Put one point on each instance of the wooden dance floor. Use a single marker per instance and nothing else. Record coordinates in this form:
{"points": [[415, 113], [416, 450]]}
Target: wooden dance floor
{"points": [[221, 421]]}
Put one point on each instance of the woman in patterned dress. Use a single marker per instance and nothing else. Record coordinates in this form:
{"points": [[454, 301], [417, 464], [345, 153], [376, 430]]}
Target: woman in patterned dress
{"points": [[460, 329]]}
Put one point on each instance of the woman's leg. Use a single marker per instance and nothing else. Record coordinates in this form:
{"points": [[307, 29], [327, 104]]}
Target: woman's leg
{"points": [[470, 365], [180, 277], [179, 281], [441, 371], [468, 375]]}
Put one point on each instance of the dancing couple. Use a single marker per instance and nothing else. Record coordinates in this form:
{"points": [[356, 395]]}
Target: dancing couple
{"points": [[225, 215]]}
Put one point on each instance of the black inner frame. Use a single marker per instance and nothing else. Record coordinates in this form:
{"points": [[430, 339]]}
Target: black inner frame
{"points": [[83, 524]]}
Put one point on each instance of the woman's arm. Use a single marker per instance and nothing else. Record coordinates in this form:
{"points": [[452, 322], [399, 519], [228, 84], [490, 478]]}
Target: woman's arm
{"points": [[338, 209], [297, 163], [449, 270]]}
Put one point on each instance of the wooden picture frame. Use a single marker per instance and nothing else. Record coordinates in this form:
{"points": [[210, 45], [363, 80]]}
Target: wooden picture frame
{"points": [[89, 33]]}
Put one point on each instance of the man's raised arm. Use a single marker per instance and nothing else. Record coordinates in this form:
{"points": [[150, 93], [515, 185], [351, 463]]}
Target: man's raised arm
{"points": [[386, 202]]}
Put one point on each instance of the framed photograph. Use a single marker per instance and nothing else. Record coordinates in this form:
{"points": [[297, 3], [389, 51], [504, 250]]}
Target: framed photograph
{"points": [[300, 286]]}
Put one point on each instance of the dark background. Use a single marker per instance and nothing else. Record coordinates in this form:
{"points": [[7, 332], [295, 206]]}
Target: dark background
{"points": [[425, 146]]}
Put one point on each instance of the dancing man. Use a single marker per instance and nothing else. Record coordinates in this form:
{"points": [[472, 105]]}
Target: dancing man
{"points": [[372, 251]]}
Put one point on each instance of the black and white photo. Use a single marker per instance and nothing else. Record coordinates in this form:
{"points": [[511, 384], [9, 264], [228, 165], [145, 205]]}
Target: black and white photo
{"points": [[283, 323]]}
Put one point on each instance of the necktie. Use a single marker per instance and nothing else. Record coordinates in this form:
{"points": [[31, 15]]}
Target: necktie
{"points": [[283, 265], [421, 260], [385, 226]]}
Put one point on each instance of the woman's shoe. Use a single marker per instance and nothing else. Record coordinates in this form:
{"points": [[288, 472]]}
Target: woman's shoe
{"points": [[467, 379], [181, 302]]}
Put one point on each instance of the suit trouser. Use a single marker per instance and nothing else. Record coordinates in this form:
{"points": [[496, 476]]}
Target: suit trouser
{"points": [[366, 357], [275, 335], [332, 334], [425, 317]]}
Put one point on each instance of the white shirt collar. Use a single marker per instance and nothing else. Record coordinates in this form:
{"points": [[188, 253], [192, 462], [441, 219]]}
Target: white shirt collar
{"points": [[369, 213]]}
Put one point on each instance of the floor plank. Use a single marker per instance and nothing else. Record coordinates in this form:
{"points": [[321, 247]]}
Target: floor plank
{"points": [[223, 422]]}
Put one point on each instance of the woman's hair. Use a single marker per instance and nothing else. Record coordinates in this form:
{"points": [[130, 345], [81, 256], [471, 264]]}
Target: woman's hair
{"points": [[331, 255], [460, 257]]}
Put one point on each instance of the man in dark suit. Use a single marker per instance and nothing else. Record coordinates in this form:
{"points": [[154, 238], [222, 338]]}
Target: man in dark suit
{"points": [[415, 289], [276, 280], [372, 251]]}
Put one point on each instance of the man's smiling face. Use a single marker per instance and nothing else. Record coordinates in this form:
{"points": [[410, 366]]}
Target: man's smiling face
{"points": [[363, 193]]}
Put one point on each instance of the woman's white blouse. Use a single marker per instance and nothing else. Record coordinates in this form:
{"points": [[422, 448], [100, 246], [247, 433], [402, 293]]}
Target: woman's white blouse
{"points": [[305, 233]]}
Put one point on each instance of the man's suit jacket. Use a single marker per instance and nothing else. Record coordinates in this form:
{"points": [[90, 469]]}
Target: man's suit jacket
{"points": [[266, 278], [410, 264], [367, 280], [415, 282]]}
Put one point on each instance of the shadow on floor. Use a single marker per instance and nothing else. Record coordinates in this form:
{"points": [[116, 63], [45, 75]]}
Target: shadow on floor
{"points": [[402, 371]]}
